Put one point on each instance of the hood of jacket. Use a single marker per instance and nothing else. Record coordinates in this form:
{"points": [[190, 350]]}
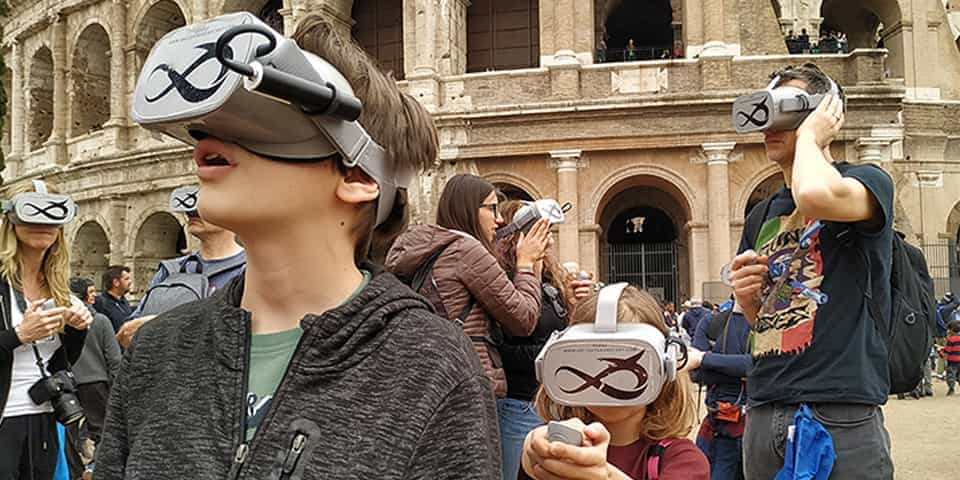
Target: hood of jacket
{"points": [[417, 243]]}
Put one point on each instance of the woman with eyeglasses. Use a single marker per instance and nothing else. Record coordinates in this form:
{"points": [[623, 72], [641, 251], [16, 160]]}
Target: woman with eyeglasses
{"points": [[465, 281], [559, 289]]}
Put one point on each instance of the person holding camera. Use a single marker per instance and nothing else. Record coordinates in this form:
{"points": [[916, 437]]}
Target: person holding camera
{"points": [[42, 332]]}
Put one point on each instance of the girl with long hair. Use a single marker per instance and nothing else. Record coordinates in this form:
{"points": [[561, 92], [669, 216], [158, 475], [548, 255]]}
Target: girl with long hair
{"points": [[618, 441], [467, 284], [34, 268]]}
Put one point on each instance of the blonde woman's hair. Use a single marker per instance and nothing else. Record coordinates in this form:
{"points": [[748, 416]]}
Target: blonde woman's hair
{"points": [[672, 414], [56, 260]]}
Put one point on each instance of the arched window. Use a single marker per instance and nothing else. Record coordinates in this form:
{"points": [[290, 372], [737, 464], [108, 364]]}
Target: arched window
{"points": [[503, 35], [90, 81], [378, 29], [632, 30]]}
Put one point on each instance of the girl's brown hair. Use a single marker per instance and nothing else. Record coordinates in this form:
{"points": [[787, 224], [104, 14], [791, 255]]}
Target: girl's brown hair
{"points": [[459, 206], [553, 272], [672, 414]]}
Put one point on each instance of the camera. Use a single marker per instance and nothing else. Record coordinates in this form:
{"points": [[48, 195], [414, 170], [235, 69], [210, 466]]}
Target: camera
{"points": [[60, 389]]}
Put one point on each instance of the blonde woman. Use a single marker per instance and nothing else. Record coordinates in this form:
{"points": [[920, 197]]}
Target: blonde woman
{"points": [[43, 327]]}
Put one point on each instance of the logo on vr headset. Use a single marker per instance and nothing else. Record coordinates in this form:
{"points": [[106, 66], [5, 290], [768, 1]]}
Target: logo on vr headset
{"points": [[187, 90], [187, 202], [56, 211], [630, 365], [758, 108]]}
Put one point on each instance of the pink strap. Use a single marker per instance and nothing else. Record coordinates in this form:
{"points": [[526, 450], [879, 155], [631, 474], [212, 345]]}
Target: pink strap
{"points": [[653, 461]]}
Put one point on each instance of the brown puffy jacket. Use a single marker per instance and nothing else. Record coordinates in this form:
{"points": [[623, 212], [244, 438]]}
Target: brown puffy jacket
{"points": [[467, 269]]}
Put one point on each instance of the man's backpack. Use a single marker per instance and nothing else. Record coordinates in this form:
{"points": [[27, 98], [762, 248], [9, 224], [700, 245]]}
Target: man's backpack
{"points": [[908, 329], [186, 282]]}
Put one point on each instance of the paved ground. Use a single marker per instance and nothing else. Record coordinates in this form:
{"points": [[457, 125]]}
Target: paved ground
{"points": [[920, 432]]}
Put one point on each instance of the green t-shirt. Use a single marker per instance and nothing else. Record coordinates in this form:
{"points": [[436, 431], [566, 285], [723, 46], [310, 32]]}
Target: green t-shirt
{"points": [[270, 353]]}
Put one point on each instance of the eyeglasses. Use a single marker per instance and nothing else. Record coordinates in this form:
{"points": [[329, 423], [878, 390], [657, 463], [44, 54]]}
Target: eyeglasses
{"points": [[490, 206]]}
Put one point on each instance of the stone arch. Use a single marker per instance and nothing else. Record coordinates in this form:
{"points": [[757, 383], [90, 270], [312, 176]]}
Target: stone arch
{"points": [[860, 21], [654, 25], [159, 237], [39, 106], [759, 178], [153, 21], [89, 79], [267, 10], [516, 181], [503, 35], [613, 184], [378, 29], [953, 223], [90, 255]]}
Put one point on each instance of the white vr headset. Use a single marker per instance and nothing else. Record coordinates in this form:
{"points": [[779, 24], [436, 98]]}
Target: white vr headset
{"points": [[185, 200], [608, 364], [234, 78], [40, 207], [777, 108], [527, 215]]}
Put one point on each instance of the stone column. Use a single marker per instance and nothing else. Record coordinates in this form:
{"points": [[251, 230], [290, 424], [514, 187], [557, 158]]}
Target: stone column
{"points": [[698, 246], [567, 163], [424, 30], [117, 220], [57, 141], [873, 150], [201, 9], [17, 121], [118, 76], [713, 29], [717, 156]]}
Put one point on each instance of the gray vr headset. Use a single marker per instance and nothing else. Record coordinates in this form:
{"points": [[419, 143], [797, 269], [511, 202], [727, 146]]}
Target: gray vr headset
{"points": [[527, 215], [776, 108], [608, 363], [40, 207], [185, 200], [234, 78]]}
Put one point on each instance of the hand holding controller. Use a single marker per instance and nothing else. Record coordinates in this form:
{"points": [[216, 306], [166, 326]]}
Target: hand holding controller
{"points": [[559, 432]]}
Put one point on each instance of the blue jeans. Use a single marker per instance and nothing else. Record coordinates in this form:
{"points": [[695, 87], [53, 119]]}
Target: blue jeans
{"points": [[725, 457], [517, 419]]}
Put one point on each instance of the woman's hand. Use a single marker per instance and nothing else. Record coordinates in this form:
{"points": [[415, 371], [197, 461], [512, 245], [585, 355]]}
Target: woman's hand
{"points": [[78, 316], [694, 359], [38, 324], [532, 247], [545, 460], [581, 288]]}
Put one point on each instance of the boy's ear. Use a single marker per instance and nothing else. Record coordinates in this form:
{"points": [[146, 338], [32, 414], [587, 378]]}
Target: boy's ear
{"points": [[356, 187]]}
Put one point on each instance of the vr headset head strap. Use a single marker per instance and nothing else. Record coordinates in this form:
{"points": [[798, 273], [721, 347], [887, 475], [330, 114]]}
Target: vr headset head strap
{"points": [[607, 303]]}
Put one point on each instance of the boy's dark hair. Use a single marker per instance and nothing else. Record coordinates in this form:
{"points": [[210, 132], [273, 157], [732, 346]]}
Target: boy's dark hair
{"points": [[79, 286], [114, 272], [817, 81], [394, 119], [954, 326]]}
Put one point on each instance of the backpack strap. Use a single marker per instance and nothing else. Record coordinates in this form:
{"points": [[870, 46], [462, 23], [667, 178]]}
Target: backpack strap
{"points": [[233, 262], [754, 223], [426, 268], [654, 454]]}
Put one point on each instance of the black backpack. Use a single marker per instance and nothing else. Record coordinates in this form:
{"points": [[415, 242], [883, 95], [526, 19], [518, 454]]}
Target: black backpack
{"points": [[183, 284], [908, 329]]}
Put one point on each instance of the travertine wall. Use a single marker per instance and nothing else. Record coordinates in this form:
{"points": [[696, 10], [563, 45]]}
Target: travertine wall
{"points": [[565, 128]]}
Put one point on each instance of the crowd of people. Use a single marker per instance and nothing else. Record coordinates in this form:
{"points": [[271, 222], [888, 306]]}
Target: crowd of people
{"points": [[299, 356], [829, 42]]}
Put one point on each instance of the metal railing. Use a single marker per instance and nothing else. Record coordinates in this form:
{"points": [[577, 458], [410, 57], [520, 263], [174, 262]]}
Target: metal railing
{"points": [[650, 266], [638, 54]]}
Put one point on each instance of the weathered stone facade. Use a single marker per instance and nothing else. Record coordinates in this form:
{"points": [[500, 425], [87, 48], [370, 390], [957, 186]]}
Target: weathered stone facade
{"points": [[606, 137]]}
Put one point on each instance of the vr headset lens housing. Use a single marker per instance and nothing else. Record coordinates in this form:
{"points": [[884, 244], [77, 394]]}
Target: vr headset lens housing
{"points": [[776, 108], [187, 92], [40, 207], [606, 364], [185, 200], [527, 215]]}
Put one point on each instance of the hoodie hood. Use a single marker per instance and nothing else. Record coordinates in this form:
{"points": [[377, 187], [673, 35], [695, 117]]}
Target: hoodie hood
{"points": [[416, 244]]}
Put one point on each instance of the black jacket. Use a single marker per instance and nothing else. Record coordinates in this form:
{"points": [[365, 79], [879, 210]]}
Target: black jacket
{"points": [[378, 388], [71, 342], [519, 353]]}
